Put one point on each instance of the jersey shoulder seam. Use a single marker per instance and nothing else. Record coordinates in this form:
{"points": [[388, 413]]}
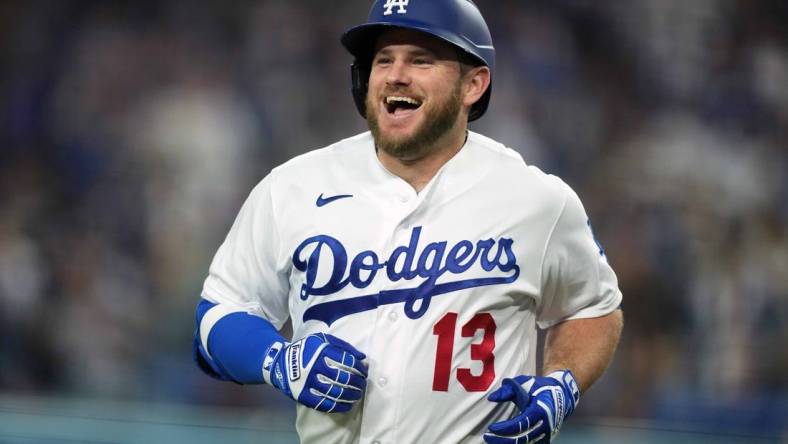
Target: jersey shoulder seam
{"points": [[274, 217], [552, 231], [495, 146], [317, 155]]}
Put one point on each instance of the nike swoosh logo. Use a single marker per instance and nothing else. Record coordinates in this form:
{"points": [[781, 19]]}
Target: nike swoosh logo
{"points": [[327, 200]]}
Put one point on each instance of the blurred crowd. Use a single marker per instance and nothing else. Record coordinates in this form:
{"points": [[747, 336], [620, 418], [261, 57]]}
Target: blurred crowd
{"points": [[131, 132]]}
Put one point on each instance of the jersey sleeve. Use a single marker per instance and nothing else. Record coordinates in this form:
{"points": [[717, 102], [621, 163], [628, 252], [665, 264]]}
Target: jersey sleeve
{"points": [[247, 273], [577, 281]]}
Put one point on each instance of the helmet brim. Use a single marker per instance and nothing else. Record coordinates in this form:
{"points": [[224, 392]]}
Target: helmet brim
{"points": [[360, 40]]}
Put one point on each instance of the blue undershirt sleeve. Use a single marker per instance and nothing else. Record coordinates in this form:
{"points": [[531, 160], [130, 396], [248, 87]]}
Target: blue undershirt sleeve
{"points": [[231, 344]]}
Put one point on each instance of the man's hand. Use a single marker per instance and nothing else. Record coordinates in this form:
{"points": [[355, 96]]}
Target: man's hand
{"points": [[319, 371], [544, 403]]}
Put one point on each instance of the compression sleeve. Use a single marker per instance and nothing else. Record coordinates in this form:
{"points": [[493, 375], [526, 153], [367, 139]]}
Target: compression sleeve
{"points": [[231, 344]]}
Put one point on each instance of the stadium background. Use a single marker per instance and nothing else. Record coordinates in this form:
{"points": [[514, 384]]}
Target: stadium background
{"points": [[130, 133]]}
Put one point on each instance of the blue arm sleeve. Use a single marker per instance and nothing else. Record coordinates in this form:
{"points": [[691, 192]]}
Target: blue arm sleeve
{"points": [[237, 344]]}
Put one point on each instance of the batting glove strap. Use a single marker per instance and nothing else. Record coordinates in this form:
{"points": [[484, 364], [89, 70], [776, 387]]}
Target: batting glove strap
{"points": [[319, 371], [570, 392], [543, 403], [270, 375]]}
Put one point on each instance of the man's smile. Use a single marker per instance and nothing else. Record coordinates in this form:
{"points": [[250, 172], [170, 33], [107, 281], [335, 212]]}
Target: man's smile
{"points": [[400, 106]]}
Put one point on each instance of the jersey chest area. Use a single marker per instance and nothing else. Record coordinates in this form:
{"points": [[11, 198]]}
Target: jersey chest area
{"points": [[361, 251]]}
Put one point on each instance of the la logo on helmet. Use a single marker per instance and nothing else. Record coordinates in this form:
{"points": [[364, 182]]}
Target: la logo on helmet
{"points": [[390, 4]]}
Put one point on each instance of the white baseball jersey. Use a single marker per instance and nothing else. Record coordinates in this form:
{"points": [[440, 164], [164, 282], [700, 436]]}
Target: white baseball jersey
{"points": [[442, 290]]}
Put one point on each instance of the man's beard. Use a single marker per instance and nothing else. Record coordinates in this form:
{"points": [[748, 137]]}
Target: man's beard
{"points": [[438, 122]]}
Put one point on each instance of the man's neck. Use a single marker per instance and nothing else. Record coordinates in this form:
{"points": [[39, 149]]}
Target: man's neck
{"points": [[419, 172]]}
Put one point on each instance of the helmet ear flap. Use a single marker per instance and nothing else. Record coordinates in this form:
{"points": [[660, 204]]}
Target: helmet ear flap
{"points": [[360, 77], [478, 108]]}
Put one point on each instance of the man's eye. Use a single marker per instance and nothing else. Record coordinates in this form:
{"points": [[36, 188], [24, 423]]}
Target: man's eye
{"points": [[382, 61], [421, 61]]}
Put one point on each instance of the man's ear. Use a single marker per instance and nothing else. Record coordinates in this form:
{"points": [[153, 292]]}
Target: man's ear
{"points": [[475, 83]]}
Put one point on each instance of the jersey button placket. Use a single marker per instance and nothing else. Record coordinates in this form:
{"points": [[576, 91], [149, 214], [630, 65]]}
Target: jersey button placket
{"points": [[379, 341], [383, 338]]}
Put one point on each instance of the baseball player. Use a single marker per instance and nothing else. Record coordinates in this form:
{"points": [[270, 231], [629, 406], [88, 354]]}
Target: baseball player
{"points": [[415, 261]]}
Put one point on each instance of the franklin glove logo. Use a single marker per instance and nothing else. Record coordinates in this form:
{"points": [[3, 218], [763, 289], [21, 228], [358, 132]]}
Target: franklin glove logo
{"points": [[294, 361]]}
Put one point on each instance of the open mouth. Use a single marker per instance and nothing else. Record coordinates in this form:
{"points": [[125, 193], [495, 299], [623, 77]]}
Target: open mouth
{"points": [[400, 104]]}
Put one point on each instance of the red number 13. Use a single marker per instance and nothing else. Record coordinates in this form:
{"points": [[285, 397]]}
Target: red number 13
{"points": [[483, 351]]}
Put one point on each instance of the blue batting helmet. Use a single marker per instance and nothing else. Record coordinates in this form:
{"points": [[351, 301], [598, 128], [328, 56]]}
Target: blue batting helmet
{"points": [[458, 22]]}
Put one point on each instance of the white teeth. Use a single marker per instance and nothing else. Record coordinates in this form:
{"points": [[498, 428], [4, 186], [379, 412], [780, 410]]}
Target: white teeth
{"points": [[392, 99]]}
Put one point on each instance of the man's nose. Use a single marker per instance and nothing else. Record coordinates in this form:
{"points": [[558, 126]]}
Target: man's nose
{"points": [[398, 74]]}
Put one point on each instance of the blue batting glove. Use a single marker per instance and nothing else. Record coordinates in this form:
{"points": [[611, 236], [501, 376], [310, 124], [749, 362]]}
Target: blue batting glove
{"points": [[544, 403], [319, 371]]}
